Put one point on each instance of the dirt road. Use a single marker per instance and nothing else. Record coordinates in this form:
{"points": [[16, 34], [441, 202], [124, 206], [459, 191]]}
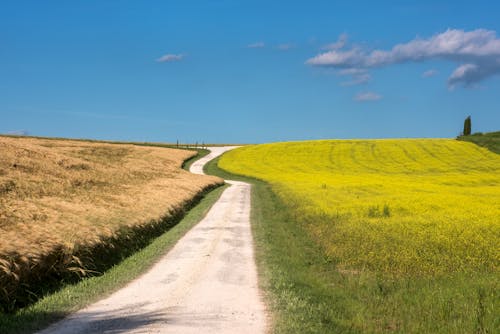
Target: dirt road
{"points": [[206, 284]]}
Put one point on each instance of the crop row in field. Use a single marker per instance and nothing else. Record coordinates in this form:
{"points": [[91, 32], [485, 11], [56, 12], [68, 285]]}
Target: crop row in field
{"points": [[399, 207], [61, 201]]}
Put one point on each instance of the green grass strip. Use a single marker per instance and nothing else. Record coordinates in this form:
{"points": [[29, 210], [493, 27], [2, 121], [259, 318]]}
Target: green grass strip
{"points": [[201, 153], [73, 297], [490, 140]]}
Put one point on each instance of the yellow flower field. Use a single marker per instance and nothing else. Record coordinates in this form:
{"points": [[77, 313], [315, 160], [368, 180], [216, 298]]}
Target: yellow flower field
{"points": [[399, 207]]}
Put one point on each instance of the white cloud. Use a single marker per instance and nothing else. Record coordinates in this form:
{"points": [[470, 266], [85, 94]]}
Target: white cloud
{"points": [[170, 58], [17, 133], [358, 76], [256, 45], [353, 71], [353, 58], [367, 96], [357, 80], [477, 52], [339, 44], [285, 46], [429, 73], [471, 74]]}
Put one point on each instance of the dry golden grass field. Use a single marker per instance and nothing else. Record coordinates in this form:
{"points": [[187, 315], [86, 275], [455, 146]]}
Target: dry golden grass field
{"points": [[59, 198]]}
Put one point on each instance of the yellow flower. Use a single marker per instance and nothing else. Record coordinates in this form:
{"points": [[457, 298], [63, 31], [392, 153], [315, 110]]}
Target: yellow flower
{"points": [[413, 206]]}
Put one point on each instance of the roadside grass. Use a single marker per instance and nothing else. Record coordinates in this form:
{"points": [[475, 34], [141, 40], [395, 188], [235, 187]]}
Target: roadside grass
{"points": [[490, 140], [75, 296], [201, 153], [308, 293]]}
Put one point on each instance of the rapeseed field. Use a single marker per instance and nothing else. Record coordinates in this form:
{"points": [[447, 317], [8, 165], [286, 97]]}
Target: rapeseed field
{"points": [[409, 207]]}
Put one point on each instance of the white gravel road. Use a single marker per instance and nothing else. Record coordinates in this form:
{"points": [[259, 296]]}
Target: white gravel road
{"points": [[206, 284]]}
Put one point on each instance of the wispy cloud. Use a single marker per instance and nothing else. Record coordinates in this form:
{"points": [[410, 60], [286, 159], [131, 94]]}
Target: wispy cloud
{"points": [[477, 52], [358, 76], [256, 45], [339, 44], [429, 73], [170, 58], [367, 96], [17, 133], [285, 46]]}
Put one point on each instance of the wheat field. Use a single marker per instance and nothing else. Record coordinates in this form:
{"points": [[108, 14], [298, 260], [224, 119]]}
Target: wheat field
{"points": [[59, 197], [423, 207]]}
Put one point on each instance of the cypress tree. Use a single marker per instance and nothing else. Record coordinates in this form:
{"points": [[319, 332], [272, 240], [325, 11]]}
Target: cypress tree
{"points": [[467, 126]]}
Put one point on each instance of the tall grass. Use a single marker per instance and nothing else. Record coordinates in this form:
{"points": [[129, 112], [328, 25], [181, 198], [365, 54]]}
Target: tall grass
{"points": [[73, 297], [70, 208]]}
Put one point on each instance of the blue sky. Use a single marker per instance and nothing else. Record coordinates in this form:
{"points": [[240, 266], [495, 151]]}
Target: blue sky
{"points": [[248, 71]]}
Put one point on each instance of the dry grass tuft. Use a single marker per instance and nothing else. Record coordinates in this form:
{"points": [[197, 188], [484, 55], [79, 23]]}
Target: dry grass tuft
{"points": [[59, 198]]}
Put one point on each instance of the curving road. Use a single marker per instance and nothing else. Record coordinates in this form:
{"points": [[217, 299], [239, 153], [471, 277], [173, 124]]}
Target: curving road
{"points": [[206, 284]]}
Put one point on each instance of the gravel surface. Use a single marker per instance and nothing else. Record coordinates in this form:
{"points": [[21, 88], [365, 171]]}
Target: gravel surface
{"points": [[206, 284]]}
